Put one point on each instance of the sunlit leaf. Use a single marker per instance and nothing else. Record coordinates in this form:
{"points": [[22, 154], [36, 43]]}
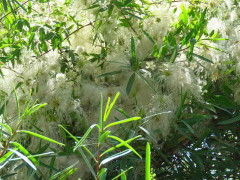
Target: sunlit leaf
{"points": [[41, 136]]}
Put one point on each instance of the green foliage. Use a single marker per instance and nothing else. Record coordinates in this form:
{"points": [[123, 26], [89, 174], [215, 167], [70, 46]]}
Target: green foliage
{"points": [[116, 144], [11, 148], [203, 133]]}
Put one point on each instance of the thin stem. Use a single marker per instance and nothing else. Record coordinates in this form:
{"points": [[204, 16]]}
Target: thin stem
{"points": [[129, 23]]}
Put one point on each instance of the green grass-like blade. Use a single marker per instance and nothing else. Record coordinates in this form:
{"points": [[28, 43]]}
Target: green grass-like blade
{"points": [[85, 148], [23, 157], [101, 113], [7, 127], [25, 152], [148, 162], [230, 121], [87, 162], [111, 106], [33, 109], [64, 172], [85, 136], [104, 136], [146, 82], [42, 137], [70, 134], [202, 58], [123, 172], [122, 143], [5, 159], [115, 156], [106, 109], [130, 83], [133, 52], [103, 174], [123, 121], [148, 36]]}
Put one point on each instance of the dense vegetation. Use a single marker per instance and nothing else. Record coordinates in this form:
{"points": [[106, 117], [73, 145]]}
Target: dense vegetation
{"points": [[119, 89]]}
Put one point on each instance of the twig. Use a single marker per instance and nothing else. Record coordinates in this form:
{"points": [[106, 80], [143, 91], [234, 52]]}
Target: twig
{"points": [[129, 23]]}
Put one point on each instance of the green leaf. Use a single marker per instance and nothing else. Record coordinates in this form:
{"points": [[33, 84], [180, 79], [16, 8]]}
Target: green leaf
{"points": [[148, 162], [104, 136], [64, 173], [103, 174], [149, 134], [122, 143], [133, 61], [72, 136], [25, 152], [148, 36], [87, 162], [130, 83], [108, 109], [24, 158], [122, 121], [213, 47], [85, 136], [7, 127], [174, 55], [189, 127], [5, 5], [146, 82], [101, 113], [115, 156], [230, 121], [20, 5], [127, 2], [33, 109], [41, 136], [202, 58], [5, 159], [123, 172]]}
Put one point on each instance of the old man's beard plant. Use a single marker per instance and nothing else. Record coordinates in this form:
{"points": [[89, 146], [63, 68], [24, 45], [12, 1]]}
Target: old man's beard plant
{"points": [[175, 64]]}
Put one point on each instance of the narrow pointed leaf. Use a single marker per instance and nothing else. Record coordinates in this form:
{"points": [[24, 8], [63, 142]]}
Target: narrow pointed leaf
{"points": [[123, 121], [122, 143], [72, 136], [23, 157], [7, 127], [230, 121], [101, 114], [133, 51], [63, 172], [123, 172], [104, 136], [85, 136], [103, 174], [25, 152], [42, 137], [111, 106], [202, 58], [130, 83], [148, 162], [87, 162], [115, 156]]}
